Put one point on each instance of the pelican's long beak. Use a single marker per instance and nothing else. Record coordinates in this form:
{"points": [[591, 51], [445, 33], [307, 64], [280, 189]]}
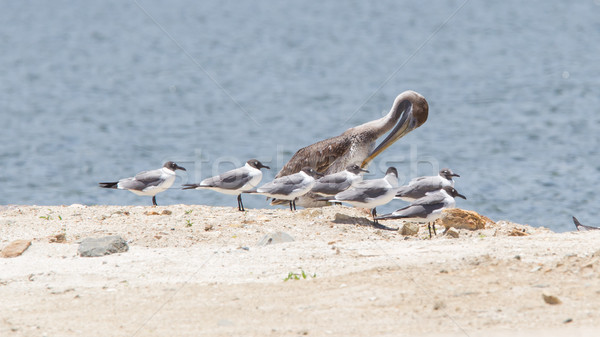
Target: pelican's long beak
{"points": [[406, 124]]}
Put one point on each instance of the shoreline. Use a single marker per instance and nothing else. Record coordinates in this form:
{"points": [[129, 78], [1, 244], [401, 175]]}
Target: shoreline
{"points": [[197, 270]]}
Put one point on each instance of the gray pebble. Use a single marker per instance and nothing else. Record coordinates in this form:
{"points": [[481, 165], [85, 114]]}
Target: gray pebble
{"points": [[91, 247]]}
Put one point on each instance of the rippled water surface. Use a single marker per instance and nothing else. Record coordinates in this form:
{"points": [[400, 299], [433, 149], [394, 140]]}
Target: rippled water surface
{"points": [[95, 91]]}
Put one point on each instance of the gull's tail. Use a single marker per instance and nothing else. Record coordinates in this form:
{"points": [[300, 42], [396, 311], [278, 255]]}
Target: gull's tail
{"points": [[109, 185]]}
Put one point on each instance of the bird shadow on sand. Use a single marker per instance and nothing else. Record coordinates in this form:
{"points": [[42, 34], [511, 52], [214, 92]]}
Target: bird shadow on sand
{"points": [[361, 221]]}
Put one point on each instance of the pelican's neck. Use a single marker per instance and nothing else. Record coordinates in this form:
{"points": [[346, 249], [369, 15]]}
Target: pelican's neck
{"points": [[382, 125]]}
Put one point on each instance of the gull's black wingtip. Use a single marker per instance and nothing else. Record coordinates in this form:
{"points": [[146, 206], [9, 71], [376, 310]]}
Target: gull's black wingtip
{"points": [[189, 186], [109, 185]]}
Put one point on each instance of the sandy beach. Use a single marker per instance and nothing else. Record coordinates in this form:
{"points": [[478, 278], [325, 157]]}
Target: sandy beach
{"points": [[198, 271]]}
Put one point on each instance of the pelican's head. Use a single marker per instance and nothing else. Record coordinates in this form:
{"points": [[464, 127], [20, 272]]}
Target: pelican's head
{"points": [[410, 109]]}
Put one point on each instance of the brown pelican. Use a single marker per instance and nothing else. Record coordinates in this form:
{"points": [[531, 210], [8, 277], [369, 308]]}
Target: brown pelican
{"points": [[357, 144]]}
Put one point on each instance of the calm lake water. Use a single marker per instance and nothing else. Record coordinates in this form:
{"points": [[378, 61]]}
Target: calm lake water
{"points": [[96, 91]]}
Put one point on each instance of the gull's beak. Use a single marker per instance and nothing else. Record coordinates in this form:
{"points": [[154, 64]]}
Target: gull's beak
{"points": [[264, 166], [364, 170], [460, 195], [454, 175], [177, 167]]}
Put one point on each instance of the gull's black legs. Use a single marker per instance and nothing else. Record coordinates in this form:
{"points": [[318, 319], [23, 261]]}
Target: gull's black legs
{"points": [[374, 214], [429, 224], [240, 203], [154, 201]]}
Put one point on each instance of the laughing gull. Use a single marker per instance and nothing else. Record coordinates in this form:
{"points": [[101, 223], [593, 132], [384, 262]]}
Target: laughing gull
{"points": [[371, 193], [148, 183], [426, 209], [579, 226], [335, 183], [290, 187], [419, 187], [233, 182]]}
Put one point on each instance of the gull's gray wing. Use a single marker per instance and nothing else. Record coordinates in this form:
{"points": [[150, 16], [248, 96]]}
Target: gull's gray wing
{"points": [[142, 180], [418, 187], [364, 190], [230, 180], [332, 184], [414, 211], [283, 185], [430, 199]]}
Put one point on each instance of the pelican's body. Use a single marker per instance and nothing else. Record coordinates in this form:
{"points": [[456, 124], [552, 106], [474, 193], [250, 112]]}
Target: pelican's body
{"points": [[358, 144]]}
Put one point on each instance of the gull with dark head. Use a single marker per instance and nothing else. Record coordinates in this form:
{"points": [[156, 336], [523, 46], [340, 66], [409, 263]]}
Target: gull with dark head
{"points": [[290, 187], [426, 209], [419, 187], [233, 182], [358, 144], [371, 193], [148, 183]]}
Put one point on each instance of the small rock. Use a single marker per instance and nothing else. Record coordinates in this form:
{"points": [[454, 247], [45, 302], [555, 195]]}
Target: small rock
{"points": [[463, 219], [518, 232], [274, 238], [107, 245], [409, 228], [15, 248], [452, 232], [312, 212], [166, 212], [550, 299], [351, 220], [208, 227], [151, 213], [439, 305], [58, 238]]}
